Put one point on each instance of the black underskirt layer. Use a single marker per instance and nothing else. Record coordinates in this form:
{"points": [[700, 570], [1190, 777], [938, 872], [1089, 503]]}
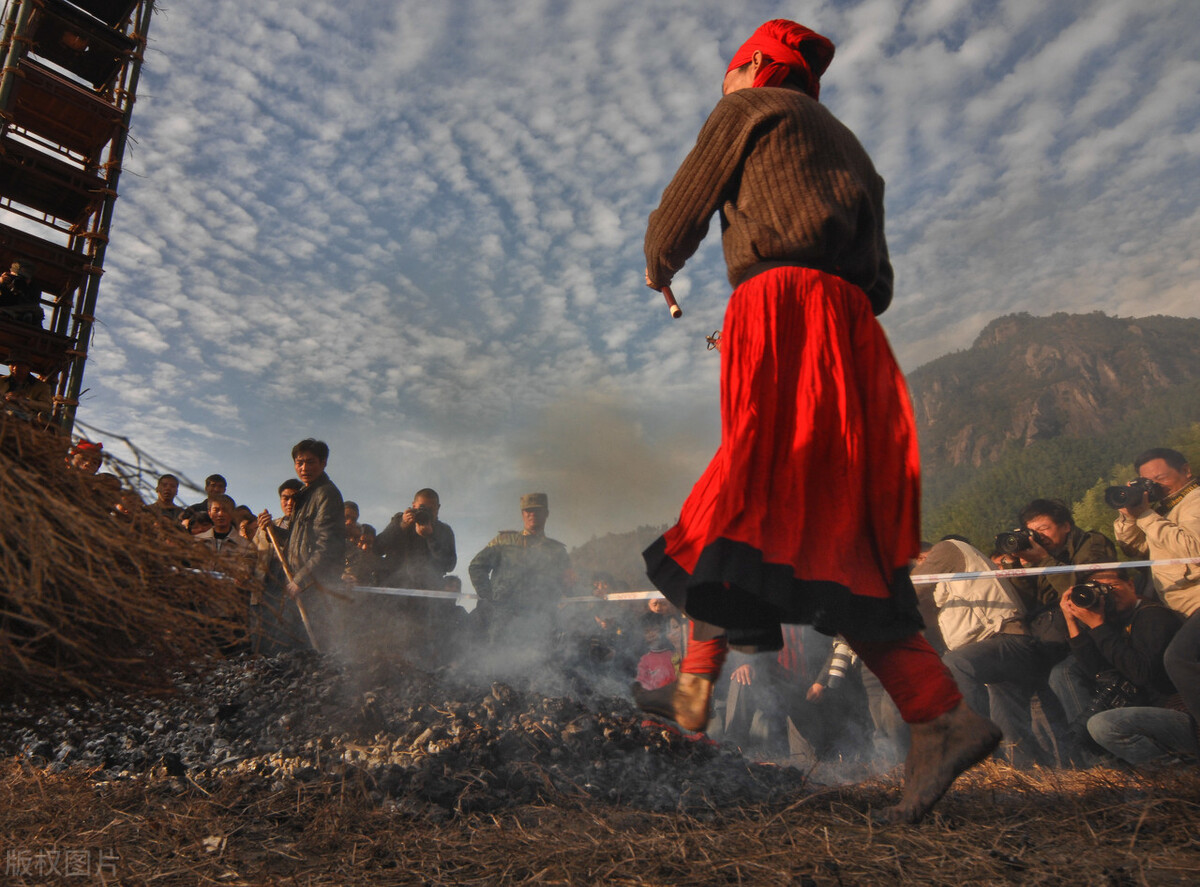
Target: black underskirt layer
{"points": [[719, 593]]}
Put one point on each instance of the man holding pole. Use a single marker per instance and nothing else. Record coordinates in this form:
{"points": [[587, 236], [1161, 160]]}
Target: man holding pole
{"points": [[809, 512], [313, 547]]}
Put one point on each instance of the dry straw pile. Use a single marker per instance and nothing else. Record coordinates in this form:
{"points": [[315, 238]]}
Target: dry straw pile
{"points": [[998, 826], [92, 595]]}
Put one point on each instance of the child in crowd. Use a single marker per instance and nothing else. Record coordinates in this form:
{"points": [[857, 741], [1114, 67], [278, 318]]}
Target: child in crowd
{"points": [[86, 456], [658, 667]]}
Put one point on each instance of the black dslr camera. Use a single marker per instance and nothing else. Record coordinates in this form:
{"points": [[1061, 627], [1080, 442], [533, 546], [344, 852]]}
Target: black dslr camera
{"points": [[1113, 690], [422, 516], [1017, 540], [1134, 492], [1090, 595]]}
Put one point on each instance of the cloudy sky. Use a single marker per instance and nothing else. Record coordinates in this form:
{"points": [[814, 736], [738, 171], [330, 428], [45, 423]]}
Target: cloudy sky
{"points": [[414, 229]]}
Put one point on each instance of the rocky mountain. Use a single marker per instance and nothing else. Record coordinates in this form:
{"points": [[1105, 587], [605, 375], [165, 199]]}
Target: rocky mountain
{"points": [[1028, 379]]}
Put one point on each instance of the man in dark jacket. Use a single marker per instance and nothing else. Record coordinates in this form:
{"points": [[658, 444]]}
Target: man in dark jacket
{"points": [[1115, 674], [316, 538], [417, 548]]}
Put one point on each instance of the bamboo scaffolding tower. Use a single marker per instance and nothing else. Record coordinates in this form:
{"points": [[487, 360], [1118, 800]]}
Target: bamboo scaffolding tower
{"points": [[67, 91]]}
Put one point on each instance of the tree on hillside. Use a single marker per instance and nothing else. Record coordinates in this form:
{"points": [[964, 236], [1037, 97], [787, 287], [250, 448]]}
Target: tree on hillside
{"points": [[1091, 512], [979, 502], [1187, 441]]}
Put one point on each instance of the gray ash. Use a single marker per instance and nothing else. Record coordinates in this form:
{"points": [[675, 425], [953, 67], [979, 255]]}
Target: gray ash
{"points": [[429, 744]]}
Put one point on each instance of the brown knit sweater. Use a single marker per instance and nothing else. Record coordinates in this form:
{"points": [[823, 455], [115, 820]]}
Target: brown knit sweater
{"points": [[793, 185]]}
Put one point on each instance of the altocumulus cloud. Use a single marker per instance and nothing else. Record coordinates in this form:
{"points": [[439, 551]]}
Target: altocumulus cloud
{"points": [[415, 230]]}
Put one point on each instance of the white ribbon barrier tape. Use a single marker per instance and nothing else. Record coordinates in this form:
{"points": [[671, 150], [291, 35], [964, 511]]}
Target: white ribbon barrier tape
{"points": [[412, 592], [464, 600], [615, 596], [933, 578]]}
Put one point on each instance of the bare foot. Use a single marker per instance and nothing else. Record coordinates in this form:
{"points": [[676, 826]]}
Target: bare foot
{"points": [[941, 751], [685, 700]]}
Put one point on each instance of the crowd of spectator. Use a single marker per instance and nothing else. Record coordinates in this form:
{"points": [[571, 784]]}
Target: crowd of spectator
{"points": [[1080, 660], [318, 544], [24, 395]]}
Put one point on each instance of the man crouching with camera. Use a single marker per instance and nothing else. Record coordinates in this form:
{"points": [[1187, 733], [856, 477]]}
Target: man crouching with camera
{"points": [[1114, 684], [1001, 674]]}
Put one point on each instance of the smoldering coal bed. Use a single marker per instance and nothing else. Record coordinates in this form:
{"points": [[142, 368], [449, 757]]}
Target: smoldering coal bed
{"points": [[433, 744]]}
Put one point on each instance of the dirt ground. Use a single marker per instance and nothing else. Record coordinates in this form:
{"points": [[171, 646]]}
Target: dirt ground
{"points": [[997, 826]]}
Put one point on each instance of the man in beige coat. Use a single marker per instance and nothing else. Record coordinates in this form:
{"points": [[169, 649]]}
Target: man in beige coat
{"points": [[1166, 530]]}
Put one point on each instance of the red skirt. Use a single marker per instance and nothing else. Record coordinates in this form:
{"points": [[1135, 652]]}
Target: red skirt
{"points": [[810, 510]]}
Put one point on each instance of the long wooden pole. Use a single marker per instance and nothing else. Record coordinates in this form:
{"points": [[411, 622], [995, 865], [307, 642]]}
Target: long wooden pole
{"points": [[288, 573]]}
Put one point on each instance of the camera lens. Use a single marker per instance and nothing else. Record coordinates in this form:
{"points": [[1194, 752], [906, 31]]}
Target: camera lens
{"points": [[1122, 497], [1087, 595], [1010, 543]]}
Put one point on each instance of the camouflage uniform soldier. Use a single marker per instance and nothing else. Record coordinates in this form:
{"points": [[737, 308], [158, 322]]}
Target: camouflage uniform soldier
{"points": [[521, 573]]}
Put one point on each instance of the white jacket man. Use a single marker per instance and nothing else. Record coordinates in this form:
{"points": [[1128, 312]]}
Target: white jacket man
{"points": [[968, 609]]}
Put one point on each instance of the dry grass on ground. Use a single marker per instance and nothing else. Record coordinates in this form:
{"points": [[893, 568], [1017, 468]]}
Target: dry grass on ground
{"points": [[997, 826]]}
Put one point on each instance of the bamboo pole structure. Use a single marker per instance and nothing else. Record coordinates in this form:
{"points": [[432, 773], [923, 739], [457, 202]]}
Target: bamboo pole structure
{"points": [[71, 382]]}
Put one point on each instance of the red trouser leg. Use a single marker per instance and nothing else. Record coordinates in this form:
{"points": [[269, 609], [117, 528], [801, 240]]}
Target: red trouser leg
{"points": [[704, 657], [912, 674]]}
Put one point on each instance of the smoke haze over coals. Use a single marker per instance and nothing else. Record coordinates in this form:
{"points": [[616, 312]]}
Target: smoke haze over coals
{"points": [[604, 470]]}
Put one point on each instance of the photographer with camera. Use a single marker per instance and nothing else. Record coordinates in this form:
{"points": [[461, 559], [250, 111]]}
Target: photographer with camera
{"points": [[416, 548], [1003, 672], [1117, 642], [20, 299], [1159, 517], [1048, 537]]}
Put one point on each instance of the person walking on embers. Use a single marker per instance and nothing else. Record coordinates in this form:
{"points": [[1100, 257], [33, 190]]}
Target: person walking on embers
{"points": [[809, 511]]}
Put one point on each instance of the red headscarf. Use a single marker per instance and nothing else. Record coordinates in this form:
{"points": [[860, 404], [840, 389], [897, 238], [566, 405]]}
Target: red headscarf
{"points": [[781, 42]]}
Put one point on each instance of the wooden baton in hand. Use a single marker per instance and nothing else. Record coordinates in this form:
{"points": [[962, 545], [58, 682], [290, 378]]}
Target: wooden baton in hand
{"points": [[676, 311]]}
